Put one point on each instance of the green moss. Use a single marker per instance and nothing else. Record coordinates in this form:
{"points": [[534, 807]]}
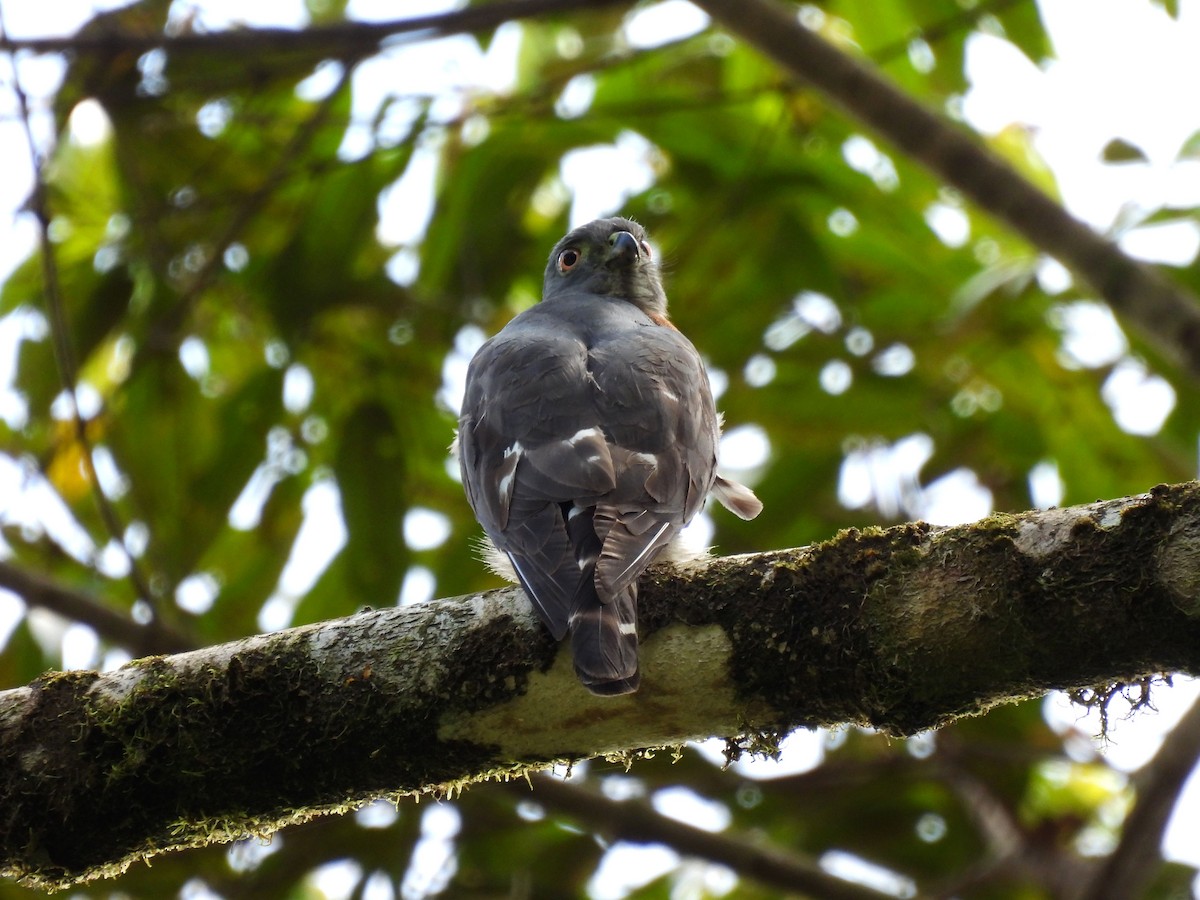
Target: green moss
{"points": [[197, 755], [908, 628]]}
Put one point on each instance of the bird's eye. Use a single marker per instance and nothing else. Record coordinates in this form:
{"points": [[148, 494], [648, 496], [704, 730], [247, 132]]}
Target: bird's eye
{"points": [[646, 249], [567, 260]]}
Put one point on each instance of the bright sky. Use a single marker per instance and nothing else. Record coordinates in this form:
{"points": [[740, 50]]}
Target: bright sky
{"points": [[1123, 69]]}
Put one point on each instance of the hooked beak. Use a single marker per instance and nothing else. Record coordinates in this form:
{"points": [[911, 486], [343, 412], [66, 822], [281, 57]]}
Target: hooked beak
{"points": [[625, 248]]}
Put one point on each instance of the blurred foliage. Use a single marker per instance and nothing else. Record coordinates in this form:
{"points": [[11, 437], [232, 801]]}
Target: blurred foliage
{"points": [[249, 337]]}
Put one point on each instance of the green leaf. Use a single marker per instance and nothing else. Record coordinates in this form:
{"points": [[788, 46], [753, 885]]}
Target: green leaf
{"points": [[1190, 148], [1119, 150]]}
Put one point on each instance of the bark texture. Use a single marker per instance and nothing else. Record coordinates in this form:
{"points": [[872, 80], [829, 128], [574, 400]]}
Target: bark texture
{"points": [[903, 629]]}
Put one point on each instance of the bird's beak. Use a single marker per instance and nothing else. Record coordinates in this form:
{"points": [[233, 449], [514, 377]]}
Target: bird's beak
{"points": [[625, 247]]}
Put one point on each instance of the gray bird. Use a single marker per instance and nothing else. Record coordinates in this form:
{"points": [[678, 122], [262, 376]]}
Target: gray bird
{"points": [[588, 440]]}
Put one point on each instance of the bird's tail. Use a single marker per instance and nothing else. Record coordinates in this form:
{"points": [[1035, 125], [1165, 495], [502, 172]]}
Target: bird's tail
{"points": [[604, 640], [604, 643]]}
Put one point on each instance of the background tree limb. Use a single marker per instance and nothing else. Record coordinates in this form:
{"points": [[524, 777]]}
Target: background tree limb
{"points": [[636, 821], [1164, 312], [1129, 868], [343, 40], [64, 355], [37, 590]]}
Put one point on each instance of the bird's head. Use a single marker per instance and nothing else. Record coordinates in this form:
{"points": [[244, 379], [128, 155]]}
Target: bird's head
{"points": [[609, 257]]}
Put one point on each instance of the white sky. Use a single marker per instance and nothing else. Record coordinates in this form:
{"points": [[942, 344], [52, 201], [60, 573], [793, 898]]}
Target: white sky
{"points": [[1123, 69]]}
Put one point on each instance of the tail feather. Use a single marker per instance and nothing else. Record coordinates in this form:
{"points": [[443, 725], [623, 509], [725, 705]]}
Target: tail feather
{"points": [[737, 498], [604, 643]]}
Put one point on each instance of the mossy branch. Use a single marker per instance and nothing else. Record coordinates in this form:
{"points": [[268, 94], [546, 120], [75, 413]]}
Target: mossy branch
{"points": [[902, 629]]}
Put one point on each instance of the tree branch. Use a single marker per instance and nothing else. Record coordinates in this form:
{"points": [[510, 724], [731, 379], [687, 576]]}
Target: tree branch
{"points": [[64, 354], [903, 629], [164, 334], [637, 822], [343, 40], [934, 33], [1013, 852], [112, 626], [1166, 314], [1129, 868]]}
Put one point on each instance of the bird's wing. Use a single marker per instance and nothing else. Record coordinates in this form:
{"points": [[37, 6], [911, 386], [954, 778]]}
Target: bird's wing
{"points": [[663, 431], [614, 420], [529, 448]]}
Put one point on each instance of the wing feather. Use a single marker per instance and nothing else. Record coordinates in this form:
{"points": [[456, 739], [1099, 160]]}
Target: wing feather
{"points": [[528, 445]]}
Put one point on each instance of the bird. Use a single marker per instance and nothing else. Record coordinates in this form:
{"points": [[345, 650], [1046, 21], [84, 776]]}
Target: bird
{"points": [[587, 440]]}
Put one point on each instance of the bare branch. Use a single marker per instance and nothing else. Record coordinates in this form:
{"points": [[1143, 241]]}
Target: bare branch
{"points": [[164, 332], [112, 626], [934, 33], [64, 356], [637, 822], [1013, 853], [1166, 314], [1130, 867], [343, 40]]}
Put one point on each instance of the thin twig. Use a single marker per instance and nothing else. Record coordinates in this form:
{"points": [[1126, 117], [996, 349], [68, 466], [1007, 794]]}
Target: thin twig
{"points": [[938, 31], [60, 333], [166, 327], [1166, 314], [342, 40], [1014, 853]]}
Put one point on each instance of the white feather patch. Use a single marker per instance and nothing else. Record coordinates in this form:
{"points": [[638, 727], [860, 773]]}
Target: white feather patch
{"points": [[583, 434], [497, 562], [505, 486], [650, 546], [681, 554]]}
